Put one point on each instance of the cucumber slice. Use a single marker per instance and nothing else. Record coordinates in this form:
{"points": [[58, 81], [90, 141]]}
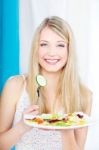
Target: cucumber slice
{"points": [[41, 80]]}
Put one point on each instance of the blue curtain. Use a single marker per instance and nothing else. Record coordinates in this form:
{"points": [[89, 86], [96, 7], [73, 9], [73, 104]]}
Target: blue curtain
{"points": [[9, 40]]}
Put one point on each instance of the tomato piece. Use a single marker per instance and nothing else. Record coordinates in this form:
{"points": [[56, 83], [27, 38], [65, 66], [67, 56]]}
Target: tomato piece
{"points": [[39, 120]]}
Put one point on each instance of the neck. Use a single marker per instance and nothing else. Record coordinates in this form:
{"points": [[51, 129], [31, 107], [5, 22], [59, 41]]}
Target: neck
{"points": [[52, 81], [50, 90]]}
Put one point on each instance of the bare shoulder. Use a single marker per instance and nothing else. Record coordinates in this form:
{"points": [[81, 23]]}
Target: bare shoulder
{"points": [[13, 87]]}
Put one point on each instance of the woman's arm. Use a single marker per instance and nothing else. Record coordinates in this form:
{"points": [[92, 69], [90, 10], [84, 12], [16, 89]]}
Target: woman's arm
{"points": [[68, 140], [80, 137], [76, 139], [81, 133], [9, 135], [9, 98]]}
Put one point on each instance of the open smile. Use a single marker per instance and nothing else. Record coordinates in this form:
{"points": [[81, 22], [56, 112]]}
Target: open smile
{"points": [[52, 61]]}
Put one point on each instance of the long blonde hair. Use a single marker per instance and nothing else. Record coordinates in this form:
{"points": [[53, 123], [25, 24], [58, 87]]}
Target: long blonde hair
{"points": [[73, 94]]}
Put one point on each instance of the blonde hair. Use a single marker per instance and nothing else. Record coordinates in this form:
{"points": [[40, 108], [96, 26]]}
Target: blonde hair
{"points": [[73, 94]]}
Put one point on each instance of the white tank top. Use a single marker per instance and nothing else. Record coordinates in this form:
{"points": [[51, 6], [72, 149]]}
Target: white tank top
{"points": [[36, 139]]}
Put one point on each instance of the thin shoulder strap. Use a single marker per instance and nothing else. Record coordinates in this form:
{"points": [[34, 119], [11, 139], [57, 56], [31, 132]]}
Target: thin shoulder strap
{"points": [[24, 79], [23, 76]]}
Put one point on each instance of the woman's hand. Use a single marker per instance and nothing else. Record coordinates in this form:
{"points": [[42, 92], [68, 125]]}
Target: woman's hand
{"points": [[32, 110]]}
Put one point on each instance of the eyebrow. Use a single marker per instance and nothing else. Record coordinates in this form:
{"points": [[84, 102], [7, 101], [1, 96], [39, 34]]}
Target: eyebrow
{"points": [[48, 41], [61, 41], [43, 41]]}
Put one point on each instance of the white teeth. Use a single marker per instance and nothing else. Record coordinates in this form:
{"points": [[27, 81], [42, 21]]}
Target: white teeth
{"points": [[52, 61]]}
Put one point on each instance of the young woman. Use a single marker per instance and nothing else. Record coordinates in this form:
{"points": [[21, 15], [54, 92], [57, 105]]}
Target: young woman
{"points": [[53, 56]]}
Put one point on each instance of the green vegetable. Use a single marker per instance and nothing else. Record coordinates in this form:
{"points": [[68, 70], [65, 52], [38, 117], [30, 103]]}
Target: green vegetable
{"points": [[41, 80]]}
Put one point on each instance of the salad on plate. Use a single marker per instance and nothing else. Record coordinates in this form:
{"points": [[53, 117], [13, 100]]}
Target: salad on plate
{"points": [[58, 121]]}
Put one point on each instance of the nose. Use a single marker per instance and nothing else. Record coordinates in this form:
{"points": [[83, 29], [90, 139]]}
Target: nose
{"points": [[52, 51]]}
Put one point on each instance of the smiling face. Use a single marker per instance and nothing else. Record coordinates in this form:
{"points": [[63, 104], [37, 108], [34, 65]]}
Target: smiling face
{"points": [[52, 52]]}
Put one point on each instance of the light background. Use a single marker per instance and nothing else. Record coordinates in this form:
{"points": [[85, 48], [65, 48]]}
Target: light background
{"points": [[18, 20], [83, 17]]}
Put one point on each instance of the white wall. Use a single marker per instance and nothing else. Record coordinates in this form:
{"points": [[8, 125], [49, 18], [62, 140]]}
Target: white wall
{"points": [[83, 17], [93, 73]]}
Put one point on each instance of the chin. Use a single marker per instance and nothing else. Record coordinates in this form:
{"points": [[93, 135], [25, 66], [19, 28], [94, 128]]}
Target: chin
{"points": [[52, 70]]}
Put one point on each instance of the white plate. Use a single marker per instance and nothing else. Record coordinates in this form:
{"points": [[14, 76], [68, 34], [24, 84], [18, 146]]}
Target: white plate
{"points": [[55, 127], [89, 122]]}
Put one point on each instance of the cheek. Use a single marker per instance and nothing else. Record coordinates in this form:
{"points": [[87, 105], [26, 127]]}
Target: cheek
{"points": [[65, 57], [41, 53], [64, 54]]}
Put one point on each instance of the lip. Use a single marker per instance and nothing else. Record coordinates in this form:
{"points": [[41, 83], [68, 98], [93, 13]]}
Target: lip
{"points": [[52, 61]]}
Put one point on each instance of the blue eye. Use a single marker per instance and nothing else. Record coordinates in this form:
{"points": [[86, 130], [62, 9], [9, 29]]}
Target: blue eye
{"points": [[43, 44]]}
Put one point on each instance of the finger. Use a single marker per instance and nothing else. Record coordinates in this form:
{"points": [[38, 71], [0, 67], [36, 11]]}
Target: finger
{"points": [[34, 113], [32, 108]]}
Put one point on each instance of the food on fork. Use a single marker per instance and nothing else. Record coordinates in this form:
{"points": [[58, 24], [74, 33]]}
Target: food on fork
{"points": [[41, 80]]}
